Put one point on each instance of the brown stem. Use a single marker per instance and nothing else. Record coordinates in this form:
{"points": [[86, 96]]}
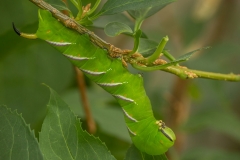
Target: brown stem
{"points": [[71, 23], [81, 86], [91, 126], [179, 110]]}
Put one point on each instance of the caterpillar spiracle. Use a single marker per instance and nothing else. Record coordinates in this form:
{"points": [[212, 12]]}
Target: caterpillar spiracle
{"points": [[148, 134]]}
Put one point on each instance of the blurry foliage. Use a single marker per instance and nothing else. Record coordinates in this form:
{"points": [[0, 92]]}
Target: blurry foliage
{"points": [[213, 127]]}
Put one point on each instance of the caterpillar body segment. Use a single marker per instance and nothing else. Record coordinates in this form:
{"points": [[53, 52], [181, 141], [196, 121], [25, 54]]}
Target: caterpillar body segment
{"points": [[148, 134]]}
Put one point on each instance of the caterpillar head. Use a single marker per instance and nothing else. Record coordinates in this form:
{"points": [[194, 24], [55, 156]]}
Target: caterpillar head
{"points": [[155, 139], [166, 131]]}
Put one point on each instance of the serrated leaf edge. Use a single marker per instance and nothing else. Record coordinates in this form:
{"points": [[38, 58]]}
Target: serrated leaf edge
{"points": [[97, 138], [32, 132], [20, 115], [76, 118]]}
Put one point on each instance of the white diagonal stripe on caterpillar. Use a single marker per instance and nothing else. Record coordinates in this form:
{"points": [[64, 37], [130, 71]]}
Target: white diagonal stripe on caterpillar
{"points": [[92, 72], [76, 58], [59, 43], [131, 118], [109, 84], [131, 131], [123, 98]]}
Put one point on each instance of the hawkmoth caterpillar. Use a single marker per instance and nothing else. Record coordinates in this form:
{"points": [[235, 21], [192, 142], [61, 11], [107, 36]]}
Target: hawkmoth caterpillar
{"points": [[148, 134]]}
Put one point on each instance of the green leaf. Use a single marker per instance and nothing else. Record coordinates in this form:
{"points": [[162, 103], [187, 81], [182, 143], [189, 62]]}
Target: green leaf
{"points": [[77, 4], [17, 141], [148, 10], [115, 28], [23, 69], [109, 117], [57, 3], [186, 56], [61, 7], [86, 21], [182, 58], [147, 47], [116, 6], [101, 22], [63, 138], [133, 153]]}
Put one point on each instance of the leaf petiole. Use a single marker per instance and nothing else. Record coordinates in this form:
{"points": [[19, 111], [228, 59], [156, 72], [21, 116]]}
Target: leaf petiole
{"points": [[137, 36], [158, 51], [94, 7], [138, 24], [80, 11], [168, 55]]}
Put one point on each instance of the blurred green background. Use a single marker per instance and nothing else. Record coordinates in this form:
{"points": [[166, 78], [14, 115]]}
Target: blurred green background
{"points": [[205, 114]]}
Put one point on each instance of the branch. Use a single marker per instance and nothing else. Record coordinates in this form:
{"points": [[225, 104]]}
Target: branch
{"points": [[177, 70], [86, 107], [71, 23], [186, 73]]}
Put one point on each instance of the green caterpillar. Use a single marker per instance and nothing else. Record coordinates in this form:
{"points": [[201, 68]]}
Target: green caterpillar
{"points": [[148, 134]]}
